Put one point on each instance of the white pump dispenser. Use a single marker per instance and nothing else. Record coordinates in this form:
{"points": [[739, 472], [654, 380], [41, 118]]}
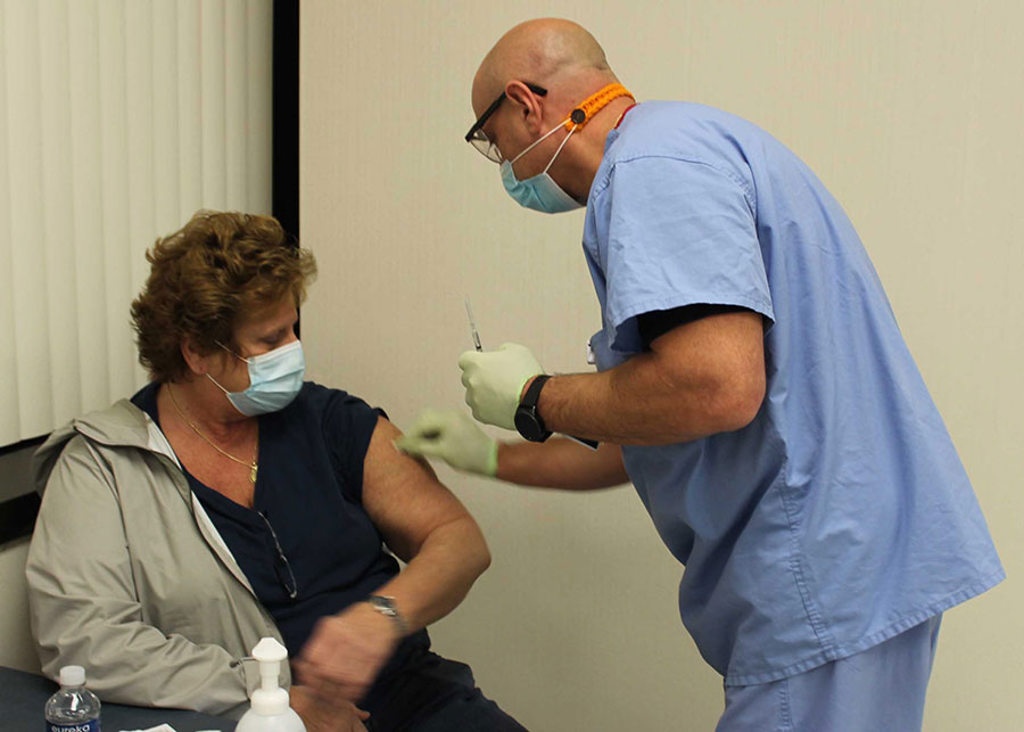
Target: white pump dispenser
{"points": [[269, 710]]}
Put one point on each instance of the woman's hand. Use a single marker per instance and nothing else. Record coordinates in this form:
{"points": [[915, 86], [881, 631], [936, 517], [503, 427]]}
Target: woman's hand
{"points": [[321, 714], [345, 652]]}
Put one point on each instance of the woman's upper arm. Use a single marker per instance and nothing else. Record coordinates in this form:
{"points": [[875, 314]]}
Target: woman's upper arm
{"points": [[78, 544], [403, 496]]}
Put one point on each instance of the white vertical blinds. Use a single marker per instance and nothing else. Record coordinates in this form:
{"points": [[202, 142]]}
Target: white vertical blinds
{"points": [[118, 120]]}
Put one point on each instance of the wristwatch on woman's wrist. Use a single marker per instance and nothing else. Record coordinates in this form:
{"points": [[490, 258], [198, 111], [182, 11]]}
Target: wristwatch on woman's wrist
{"points": [[385, 605]]}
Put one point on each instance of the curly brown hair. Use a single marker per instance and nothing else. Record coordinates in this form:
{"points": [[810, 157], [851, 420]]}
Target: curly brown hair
{"points": [[206, 277]]}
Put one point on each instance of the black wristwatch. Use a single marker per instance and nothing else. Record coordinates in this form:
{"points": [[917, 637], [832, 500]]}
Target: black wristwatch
{"points": [[528, 420]]}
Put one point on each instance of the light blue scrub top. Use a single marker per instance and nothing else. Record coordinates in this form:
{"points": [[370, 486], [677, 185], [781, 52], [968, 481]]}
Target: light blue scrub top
{"points": [[841, 515]]}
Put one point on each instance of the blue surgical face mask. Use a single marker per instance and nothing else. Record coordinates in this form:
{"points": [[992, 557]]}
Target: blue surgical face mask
{"points": [[540, 192], [275, 379]]}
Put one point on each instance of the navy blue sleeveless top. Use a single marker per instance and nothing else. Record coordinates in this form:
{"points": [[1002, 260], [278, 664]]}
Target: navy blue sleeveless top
{"points": [[308, 502]]}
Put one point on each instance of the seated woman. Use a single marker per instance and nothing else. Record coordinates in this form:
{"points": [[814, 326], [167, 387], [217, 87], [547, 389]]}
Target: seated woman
{"points": [[229, 500]]}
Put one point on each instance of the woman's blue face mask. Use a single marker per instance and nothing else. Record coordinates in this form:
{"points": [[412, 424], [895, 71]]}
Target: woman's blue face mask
{"points": [[275, 379], [539, 192]]}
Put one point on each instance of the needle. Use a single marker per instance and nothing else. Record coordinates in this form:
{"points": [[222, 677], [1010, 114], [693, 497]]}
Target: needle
{"points": [[434, 434], [472, 326]]}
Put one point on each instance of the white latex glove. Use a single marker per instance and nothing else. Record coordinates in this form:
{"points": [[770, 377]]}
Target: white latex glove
{"points": [[494, 381], [455, 438]]}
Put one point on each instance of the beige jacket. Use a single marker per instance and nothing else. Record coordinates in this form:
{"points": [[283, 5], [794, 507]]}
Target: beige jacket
{"points": [[128, 577]]}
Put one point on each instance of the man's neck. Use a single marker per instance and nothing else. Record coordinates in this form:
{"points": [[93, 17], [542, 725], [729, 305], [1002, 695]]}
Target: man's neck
{"points": [[594, 135]]}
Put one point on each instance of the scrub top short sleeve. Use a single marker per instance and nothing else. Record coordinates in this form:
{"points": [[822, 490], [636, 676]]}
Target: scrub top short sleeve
{"points": [[678, 233]]}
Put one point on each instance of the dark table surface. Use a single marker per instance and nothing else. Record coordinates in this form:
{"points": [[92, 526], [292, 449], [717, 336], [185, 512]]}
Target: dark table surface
{"points": [[23, 696]]}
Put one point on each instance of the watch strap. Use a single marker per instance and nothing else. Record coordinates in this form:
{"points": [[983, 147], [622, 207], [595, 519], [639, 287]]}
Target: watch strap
{"points": [[532, 394]]}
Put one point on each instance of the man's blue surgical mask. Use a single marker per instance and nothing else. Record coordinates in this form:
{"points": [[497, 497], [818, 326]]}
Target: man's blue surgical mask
{"points": [[540, 192], [275, 378]]}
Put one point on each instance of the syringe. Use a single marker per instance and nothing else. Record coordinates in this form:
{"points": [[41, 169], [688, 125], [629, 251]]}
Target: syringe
{"points": [[472, 326], [592, 444]]}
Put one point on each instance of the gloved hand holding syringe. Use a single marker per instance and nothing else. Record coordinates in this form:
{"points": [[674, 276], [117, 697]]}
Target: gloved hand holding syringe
{"points": [[454, 436], [495, 381]]}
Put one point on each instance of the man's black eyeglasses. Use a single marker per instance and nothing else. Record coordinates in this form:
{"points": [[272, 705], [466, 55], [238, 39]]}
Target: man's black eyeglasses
{"points": [[478, 138]]}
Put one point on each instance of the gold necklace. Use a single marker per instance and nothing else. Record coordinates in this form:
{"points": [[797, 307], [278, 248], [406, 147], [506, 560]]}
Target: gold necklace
{"points": [[254, 465]]}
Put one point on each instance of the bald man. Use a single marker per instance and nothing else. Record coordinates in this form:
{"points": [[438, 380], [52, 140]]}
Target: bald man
{"points": [[752, 383]]}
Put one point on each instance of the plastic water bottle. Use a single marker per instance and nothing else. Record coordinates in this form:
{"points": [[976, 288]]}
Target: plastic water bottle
{"points": [[74, 708]]}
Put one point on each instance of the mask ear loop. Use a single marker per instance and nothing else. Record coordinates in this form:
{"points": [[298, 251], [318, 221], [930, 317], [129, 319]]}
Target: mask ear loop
{"points": [[217, 383], [240, 358], [536, 142], [577, 118], [243, 360], [559, 150]]}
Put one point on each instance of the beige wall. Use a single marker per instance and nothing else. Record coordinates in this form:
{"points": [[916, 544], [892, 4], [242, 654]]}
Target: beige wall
{"points": [[911, 112]]}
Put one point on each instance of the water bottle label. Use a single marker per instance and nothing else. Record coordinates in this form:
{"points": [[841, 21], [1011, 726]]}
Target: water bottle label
{"points": [[90, 726]]}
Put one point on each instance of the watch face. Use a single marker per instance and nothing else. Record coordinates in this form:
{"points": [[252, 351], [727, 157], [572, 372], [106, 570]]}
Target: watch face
{"points": [[526, 424], [383, 603]]}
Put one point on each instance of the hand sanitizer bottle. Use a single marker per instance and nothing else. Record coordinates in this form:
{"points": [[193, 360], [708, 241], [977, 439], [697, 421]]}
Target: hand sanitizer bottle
{"points": [[74, 708], [269, 709]]}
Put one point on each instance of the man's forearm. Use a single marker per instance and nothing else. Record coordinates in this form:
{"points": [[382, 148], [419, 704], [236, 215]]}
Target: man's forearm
{"points": [[637, 404], [561, 463], [697, 380]]}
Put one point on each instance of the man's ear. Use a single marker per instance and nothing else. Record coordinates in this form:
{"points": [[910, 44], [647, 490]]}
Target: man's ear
{"points": [[529, 106]]}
